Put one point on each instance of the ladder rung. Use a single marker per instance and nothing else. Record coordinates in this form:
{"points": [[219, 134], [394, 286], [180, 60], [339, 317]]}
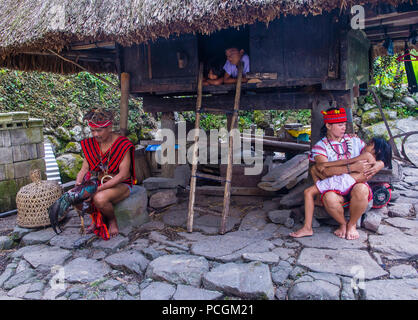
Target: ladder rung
{"points": [[209, 176], [204, 210]]}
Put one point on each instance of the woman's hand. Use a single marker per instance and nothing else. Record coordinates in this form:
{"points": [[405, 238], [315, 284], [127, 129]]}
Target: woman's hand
{"points": [[320, 167], [360, 166], [375, 168]]}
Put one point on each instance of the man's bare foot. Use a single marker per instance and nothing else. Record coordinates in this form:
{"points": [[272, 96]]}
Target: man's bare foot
{"points": [[341, 231], [91, 228], [302, 232], [113, 228], [352, 233]]}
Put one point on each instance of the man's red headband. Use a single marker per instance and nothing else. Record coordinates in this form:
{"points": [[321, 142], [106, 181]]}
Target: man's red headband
{"points": [[100, 124], [335, 116]]}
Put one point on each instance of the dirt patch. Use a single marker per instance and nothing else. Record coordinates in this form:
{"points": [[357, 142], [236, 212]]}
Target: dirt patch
{"points": [[7, 224]]}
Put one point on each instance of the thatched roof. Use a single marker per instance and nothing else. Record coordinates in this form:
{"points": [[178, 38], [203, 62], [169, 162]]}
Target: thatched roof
{"points": [[37, 25]]}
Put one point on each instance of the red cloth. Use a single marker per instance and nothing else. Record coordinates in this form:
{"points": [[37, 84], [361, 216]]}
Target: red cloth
{"points": [[100, 228], [117, 152], [100, 124]]}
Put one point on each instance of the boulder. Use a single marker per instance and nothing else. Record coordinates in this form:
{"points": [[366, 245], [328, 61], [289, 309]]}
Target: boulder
{"points": [[163, 199], [178, 269], [368, 106], [72, 147], [158, 291], [154, 183], [372, 221], [191, 293], [5, 243], [386, 92], [401, 210], [409, 102], [69, 165], [279, 216], [402, 289], [249, 280], [132, 211], [63, 134], [130, 260], [85, 270], [77, 133], [403, 271], [374, 116]]}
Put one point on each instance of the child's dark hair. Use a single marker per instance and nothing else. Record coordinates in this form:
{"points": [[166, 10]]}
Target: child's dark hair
{"points": [[382, 150], [216, 67]]}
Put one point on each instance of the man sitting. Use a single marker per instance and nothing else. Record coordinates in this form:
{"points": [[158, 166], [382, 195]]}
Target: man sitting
{"points": [[112, 157]]}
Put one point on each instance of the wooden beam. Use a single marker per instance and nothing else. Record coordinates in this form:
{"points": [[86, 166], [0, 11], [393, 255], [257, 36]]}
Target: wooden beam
{"points": [[186, 85], [399, 19], [259, 101], [93, 45], [235, 191], [124, 102]]}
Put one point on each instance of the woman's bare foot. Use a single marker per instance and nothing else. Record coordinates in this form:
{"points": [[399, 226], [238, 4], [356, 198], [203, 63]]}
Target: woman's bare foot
{"points": [[341, 231], [352, 233], [113, 228], [302, 232]]}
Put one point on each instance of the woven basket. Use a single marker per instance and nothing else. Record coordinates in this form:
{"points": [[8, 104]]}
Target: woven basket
{"points": [[34, 200]]}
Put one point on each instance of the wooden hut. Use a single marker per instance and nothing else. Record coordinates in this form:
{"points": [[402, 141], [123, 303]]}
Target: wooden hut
{"points": [[312, 56]]}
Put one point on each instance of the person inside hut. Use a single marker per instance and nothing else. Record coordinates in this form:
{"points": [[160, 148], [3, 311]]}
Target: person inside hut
{"points": [[233, 57], [337, 145], [111, 156], [214, 73]]}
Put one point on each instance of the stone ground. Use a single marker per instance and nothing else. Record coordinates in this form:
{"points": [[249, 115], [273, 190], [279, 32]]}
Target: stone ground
{"points": [[255, 259]]}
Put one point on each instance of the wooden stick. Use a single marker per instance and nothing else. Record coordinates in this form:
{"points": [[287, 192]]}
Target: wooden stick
{"points": [[195, 150], [124, 102], [227, 193], [391, 140], [81, 67]]}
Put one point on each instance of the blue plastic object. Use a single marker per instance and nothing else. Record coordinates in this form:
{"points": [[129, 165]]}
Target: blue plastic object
{"points": [[155, 147]]}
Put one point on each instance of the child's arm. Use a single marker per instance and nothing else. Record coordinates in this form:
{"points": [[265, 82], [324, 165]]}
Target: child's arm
{"points": [[215, 82], [228, 80], [366, 156]]}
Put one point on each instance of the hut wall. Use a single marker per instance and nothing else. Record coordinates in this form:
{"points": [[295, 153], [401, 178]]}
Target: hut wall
{"points": [[162, 65], [296, 47]]}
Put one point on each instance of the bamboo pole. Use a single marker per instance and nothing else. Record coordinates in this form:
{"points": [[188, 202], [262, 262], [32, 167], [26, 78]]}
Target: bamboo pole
{"points": [[227, 193], [82, 68], [124, 102], [195, 150]]}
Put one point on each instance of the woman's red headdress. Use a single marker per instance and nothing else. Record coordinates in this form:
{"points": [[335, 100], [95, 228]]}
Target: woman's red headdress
{"points": [[335, 116]]}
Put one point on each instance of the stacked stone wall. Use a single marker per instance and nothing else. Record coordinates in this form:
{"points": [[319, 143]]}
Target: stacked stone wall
{"points": [[21, 150]]}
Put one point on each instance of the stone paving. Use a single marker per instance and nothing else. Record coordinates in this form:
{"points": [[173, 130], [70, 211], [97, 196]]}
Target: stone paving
{"points": [[256, 259]]}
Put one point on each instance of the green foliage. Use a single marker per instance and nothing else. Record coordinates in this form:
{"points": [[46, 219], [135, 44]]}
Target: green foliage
{"points": [[61, 99]]}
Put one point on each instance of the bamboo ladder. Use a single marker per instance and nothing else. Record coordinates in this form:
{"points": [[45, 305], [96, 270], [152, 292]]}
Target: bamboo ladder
{"points": [[194, 173]]}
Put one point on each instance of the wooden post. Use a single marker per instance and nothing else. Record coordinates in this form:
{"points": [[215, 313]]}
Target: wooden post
{"points": [[317, 119], [195, 150], [227, 194], [167, 122], [124, 102]]}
